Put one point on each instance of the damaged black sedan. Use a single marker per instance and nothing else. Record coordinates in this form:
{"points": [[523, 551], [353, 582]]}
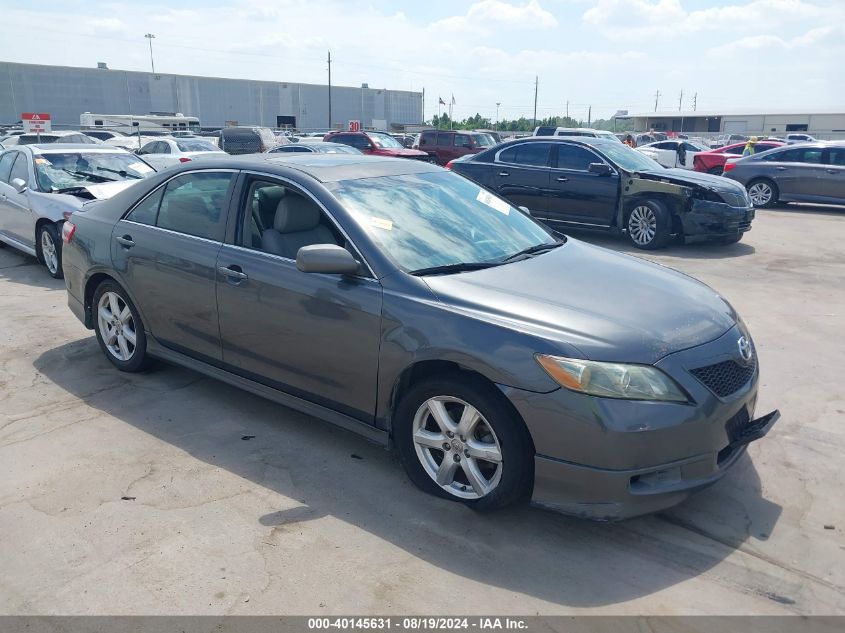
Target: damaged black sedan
{"points": [[594, 183]]}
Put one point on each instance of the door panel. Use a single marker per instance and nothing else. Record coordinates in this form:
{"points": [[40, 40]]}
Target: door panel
{"points": [[314, 336], [521, 174], [575, 194]]}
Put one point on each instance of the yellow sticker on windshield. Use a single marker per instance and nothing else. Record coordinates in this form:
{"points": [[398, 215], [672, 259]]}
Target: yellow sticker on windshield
{"points": [[41, 161], [493, 202], [381, 223]]}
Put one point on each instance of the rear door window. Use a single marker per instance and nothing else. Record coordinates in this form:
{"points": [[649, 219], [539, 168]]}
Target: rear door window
{"points": [[19, 169], [6, 161], [528, 154], [196, 204], [146, 211], [444, 139], [428, 138]]}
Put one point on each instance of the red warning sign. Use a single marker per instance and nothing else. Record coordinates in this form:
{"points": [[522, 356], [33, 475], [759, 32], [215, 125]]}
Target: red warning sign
{"points": [[35, 122]]}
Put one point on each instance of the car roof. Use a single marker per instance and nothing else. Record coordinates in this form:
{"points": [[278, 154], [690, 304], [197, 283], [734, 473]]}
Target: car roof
{"points": [[582, 140], [58, 148], [324, 167]]}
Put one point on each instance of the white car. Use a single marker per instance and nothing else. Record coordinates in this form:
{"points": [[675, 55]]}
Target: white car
{"points": [[673, 153], [799, 138], [166, 152]]}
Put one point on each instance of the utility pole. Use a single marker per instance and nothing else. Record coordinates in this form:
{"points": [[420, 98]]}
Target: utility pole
{"points": [[536, 87], [656, 99], [423, 105], [681, 101], [567, 109], [589, 116], [497, 115], [330, 91], [695, 101], [151, 37]]}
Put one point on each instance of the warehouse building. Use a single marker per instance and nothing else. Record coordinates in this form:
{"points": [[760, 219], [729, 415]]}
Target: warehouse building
{"points": [[66, 92], [824, 125]]}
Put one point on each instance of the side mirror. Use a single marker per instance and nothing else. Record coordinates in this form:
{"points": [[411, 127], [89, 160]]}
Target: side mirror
{"points": [[525, 211], [19, 184], [600, 169], [329, 259]]}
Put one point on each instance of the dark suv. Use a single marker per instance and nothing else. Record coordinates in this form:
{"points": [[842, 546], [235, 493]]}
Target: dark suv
{"points": [[375, 143], [247, 140], [446, 145]]}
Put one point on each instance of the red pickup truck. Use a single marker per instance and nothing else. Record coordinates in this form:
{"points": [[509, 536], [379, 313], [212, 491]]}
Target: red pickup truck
{"points": [[713, 162]]}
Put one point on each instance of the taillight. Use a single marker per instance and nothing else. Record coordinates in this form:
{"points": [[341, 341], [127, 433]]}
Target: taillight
{"points": [[184, 159], [729, 166], [449, 164], [68, 230]]}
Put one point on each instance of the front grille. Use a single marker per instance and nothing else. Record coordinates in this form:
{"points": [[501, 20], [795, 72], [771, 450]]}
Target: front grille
{"points": [[726, 377]]}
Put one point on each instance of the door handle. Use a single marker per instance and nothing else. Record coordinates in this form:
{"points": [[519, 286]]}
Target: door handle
{"points": [[233, 272], [831, 171], [781, 168], [562, 179], [126, 241], [504, 173]]}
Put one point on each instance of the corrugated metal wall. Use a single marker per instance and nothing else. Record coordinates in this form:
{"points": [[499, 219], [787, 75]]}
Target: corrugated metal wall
{"points": [[67, 92]]}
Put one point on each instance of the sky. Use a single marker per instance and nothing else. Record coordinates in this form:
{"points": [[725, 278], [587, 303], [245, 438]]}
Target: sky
{"points": [[603, 55]]}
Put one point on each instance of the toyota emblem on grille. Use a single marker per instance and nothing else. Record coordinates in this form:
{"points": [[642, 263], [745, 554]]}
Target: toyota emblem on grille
{"points": [[745, 349]]}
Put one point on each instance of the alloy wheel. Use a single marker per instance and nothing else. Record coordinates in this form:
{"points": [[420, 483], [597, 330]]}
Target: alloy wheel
{"points": [[642, 225], [457, 447], [48, 252], [760, 194], [116, 325]]}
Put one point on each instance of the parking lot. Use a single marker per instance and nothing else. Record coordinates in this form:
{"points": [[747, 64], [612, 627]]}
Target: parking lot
{"points": [[170, 492]]}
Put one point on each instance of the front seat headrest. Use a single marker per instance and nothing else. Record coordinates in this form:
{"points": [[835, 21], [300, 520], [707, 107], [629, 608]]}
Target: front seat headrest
{"points": [[296, 213]]}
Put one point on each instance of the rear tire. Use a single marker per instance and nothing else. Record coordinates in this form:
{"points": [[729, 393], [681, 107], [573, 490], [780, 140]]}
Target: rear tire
{"points": [[119, 329], [488, 460], [763, 192], [648, 225], [716, 171], [49, 250]]}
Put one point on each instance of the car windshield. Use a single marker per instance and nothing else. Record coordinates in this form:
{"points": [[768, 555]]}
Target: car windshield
{"points": [[385, 140], [427, 220], [629, 159], [196, 146], [58, 171], [484, 140]]}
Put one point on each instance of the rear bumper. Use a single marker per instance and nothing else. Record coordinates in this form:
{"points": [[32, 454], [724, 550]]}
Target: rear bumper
{"points": [[611, 495], [706, 220]]}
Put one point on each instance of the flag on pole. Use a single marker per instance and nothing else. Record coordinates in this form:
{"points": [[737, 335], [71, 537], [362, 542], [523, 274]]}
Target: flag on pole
{"points": [[453, 98], [441, 101]]}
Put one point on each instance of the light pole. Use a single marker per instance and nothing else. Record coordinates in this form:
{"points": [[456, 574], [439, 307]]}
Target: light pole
{"points": [[497, 115], [151, 37]]}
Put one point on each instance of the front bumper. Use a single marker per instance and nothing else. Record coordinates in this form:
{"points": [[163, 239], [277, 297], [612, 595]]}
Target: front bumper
{"points": [[611, 459], [707, 220]]}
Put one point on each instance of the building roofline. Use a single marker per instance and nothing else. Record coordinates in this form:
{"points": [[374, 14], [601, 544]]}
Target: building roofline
{"points": [[720, 113]]}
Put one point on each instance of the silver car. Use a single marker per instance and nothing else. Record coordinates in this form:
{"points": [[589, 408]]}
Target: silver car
{"points": [[41, 185], [814, 172]]}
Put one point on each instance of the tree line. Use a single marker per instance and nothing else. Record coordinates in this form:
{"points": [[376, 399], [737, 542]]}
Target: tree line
{"points": [[522, 124]]}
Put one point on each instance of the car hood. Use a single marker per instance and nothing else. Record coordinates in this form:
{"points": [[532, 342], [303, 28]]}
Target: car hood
{"points": [[610, 307], [690, 178], [395, 151]]}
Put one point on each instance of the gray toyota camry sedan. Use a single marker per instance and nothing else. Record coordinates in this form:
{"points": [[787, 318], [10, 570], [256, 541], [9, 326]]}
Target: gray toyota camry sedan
{"points": [[401, 301]]}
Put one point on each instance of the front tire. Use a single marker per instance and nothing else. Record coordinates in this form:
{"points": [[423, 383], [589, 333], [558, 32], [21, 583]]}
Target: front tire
{"points": [[648, 225], [763, 193], [119, 329], [459, 439], [50, 250]]}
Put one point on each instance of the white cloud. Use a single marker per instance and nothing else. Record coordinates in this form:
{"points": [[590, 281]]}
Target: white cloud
{"points": [[668, 17], [813, 37], [482, 17]]}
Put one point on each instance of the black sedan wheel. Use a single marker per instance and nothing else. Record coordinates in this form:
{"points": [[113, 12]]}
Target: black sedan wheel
{"points": [[648, 224], [763, 193], [120, 332], [456, 440]]}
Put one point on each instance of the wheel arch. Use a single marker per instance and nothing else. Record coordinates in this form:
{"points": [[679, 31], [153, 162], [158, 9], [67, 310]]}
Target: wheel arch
{"points": [[670, 200], [421, 370], [42, 221]]}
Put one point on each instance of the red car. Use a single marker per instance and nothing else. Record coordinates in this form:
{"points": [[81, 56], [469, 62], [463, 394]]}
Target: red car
{"points": [[713, 162], [375, 143]]}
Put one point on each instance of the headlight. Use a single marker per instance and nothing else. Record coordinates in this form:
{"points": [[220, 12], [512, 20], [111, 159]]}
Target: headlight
{"points": [[612, 380]]}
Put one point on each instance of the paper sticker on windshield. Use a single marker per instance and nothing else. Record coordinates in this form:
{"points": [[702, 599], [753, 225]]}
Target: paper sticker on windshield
{"points": [[141, 168], [41, 161], [493, 202], [381, 223]]}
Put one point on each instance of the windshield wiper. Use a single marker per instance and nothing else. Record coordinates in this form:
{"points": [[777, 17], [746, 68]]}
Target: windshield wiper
{"points": [[88, 174], [120, 172], [453, 268], [531, 250]]}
